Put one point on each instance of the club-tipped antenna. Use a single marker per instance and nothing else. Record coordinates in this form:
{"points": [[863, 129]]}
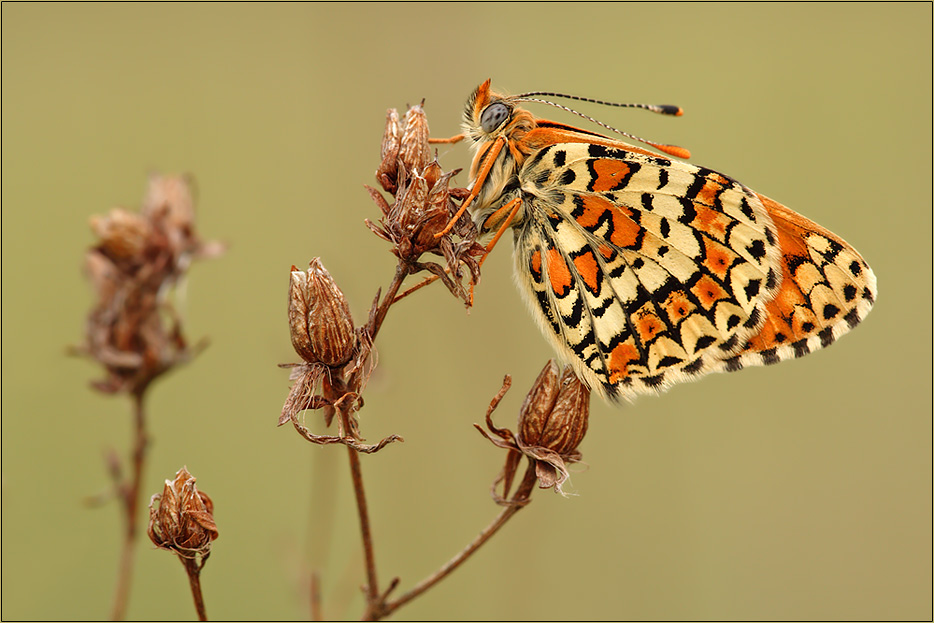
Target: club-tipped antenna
{"points": [[662, 109]]}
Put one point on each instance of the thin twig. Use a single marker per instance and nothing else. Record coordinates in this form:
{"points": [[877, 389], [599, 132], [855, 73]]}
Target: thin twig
{"points": [[518, 501], [129, 496], [372, 587]]}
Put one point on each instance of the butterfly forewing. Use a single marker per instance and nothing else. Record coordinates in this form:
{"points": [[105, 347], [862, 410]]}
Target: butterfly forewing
{"points": [[647, 265]]}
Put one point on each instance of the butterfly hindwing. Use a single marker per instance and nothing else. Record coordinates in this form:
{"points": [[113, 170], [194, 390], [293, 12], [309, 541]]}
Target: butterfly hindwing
{"points": [[827, 289]]}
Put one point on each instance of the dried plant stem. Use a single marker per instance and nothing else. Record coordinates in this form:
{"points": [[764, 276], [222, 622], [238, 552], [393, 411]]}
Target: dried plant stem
{"points": [[376, 319], [193, 568], [129, 495], [372, 587], [519, 500]]}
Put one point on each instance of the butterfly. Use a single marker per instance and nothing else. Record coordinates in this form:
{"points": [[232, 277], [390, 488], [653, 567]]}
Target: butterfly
{"points": [[644, 270]]}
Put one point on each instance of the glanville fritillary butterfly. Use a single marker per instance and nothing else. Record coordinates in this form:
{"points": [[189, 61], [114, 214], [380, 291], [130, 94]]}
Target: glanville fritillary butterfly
{"points": [[646, 271]]}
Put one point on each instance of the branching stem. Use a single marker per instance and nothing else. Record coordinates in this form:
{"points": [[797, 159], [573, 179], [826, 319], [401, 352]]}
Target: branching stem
{"points": [[519, 500]]}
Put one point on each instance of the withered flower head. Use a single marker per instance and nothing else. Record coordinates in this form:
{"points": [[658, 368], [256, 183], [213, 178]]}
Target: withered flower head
{"points": [[423, 204], [183, 521], [552, 423], [321, 328], [139, 256]]}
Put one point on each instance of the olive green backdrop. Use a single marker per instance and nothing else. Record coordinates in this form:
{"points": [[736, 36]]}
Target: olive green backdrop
{"points": [[799, 491]]}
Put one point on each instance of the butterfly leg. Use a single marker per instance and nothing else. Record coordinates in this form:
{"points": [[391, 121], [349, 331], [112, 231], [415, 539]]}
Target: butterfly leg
{"points": [[491, 156], [509, 210], [512, 208], [449, 141]]}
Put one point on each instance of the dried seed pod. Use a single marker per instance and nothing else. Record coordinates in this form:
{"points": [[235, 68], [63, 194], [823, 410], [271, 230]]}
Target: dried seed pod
{"points": [[552, 423], [538, 403], [183, 522], [387, 172], [561, 427], [320, 324], [415, 151]]}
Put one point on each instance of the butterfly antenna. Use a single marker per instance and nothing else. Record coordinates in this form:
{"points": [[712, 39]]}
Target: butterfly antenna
{"points": [[662, 109]]}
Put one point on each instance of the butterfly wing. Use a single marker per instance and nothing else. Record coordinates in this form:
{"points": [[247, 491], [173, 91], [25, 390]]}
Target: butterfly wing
{"points": [[827, 289], [646, 272], [643, 270]]}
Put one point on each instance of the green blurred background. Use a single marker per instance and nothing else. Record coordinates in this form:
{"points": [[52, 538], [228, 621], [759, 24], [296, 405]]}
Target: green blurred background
{"points": [[800, 491]]}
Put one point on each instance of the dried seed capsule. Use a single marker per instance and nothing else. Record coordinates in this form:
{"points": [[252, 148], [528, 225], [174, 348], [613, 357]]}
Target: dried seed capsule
{"points": [[183, 522], [555, 413], [415, 152], [320, 324]]}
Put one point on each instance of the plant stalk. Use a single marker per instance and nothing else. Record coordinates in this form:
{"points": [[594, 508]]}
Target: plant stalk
{"points": [[129, 495]]}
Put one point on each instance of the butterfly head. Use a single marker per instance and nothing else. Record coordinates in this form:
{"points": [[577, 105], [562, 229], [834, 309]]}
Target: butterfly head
{"points": [[489, 115]]}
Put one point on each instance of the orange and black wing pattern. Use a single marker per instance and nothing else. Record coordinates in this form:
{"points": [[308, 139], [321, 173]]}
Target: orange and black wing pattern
{"points": [[644, 270]]}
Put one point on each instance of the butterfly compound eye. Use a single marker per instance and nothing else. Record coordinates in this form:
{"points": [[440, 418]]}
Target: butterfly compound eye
{"points": [[493, 116]]}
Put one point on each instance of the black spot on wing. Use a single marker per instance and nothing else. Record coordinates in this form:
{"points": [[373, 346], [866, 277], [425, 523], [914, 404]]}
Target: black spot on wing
{"points": [[752, 288], [756, 249], [830, 310], [704, 341]]}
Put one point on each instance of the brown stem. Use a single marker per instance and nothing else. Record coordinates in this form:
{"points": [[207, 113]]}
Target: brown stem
{"points": [[376, 321], [129, 495], [519, 500], [372, 587], [193, 568]]}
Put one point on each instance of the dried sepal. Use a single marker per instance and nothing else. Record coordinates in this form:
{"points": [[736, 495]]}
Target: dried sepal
{"points": [[183, 520], [306, 382]]}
